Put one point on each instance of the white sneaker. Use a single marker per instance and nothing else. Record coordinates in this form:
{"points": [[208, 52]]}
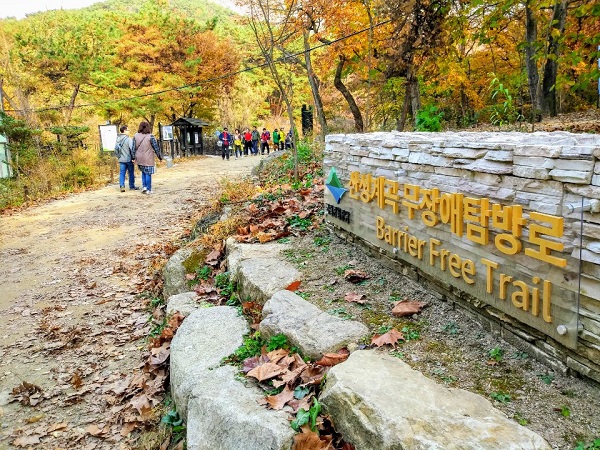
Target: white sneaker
{"points": [[144, 190], [149, 192]]}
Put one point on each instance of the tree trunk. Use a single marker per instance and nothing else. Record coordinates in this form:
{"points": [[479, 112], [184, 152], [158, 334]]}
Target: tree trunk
{"points": [[314, 86], [415, 93], [530, 61], [69, 112], [559, 19], [404, 113], [339, 85]]}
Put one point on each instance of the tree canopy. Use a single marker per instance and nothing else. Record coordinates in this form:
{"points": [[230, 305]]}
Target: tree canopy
{"points": [[364, 64]]}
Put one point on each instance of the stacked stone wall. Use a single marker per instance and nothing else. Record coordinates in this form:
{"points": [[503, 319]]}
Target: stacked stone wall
{"points": [[547, 173]]}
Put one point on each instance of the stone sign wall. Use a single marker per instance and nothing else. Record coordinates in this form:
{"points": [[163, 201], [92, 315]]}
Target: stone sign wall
{"points": [[491, 221]]}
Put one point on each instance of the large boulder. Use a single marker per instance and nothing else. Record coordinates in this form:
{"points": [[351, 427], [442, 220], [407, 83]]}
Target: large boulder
{"points": [[378, 402], [204, 338], [224, 414], [174, 273], [313, 331]]}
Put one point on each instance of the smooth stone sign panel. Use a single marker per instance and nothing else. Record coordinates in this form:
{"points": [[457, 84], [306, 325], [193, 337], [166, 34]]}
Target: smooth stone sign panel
{"points": [[503, 235]]}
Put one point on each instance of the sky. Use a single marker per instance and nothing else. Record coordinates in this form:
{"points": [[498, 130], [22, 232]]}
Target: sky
{"points": [[18, 8]]}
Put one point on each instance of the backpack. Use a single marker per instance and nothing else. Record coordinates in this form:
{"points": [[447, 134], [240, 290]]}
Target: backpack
{"points": [[268, 135]]}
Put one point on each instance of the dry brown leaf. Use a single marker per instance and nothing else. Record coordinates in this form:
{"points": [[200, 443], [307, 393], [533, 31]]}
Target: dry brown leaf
{"points": [[26, 441], [76, 380], [95, 430], [213, 257], [266, 371], [57, 427], [407, 308], [331, 359], [304, 403], [34, 419], [254, 361], [159, 355], [277, 355], [310, 440], [263, 238], [278, 401], [141, 404], [390, 338], [355, 276], [313, 374], [293, 286], [127, 428], [355, 297]]}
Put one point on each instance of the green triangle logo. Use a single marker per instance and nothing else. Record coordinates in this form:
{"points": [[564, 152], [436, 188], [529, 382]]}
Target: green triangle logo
{"points": [[334, 185]]}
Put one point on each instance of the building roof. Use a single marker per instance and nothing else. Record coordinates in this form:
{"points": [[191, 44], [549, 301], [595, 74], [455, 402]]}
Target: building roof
{"points": [[190, 122]]}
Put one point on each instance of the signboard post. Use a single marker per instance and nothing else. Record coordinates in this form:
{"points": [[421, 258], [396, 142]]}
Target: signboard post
{"points": [[108, 137]]}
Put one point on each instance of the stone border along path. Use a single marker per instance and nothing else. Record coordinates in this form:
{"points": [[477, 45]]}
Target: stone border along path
{"points": [[377, 401]]}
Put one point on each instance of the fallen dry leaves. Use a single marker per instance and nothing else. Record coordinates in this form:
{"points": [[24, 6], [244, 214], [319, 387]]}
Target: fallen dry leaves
{"points": [[355, 276], [279, 211], [355, 297], [390, 338], [310, 440], [407, 308], [331, 359]]}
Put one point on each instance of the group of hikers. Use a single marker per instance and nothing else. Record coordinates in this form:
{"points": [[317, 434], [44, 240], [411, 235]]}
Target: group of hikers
{"points": [[248, 142], [143, 147]]}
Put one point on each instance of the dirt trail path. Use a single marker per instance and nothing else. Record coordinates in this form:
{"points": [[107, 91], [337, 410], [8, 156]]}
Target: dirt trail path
{"points": [[70, 320]]}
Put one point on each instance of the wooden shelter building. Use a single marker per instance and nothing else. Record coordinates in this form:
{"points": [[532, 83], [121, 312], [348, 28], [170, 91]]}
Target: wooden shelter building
{"points": [[188, 132]]}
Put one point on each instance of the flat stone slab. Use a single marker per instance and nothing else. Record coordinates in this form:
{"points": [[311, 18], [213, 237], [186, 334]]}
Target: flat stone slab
{"points": [[259, 270], [313, 331], [236, 252], [224, 414], [184, 303], [204, 338], [378, 402]]}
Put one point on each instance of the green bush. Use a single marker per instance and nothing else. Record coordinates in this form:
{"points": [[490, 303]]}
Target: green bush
{"points": [[80, 175], [429, 119]]}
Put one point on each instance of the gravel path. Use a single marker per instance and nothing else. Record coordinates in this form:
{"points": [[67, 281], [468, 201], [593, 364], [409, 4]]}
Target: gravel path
{"points": [[72, 321]]}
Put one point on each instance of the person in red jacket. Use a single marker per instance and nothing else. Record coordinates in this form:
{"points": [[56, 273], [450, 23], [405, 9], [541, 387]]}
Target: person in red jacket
{"points": [[265, 137], [247, 142]]}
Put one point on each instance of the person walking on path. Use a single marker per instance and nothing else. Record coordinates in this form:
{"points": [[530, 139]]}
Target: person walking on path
{"points": [[281, 139], [226, 140], [276, 139], [265, 137], [237, 143], [124, 153], [247, 142], [255, 139], [145, 147]]}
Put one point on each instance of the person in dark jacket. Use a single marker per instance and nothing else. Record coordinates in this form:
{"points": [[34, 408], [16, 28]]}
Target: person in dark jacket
{"points": [[226, 139]]}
